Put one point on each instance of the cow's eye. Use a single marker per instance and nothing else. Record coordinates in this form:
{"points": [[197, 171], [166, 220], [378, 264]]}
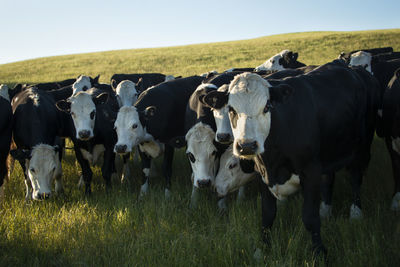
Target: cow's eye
{"points": [[233, 165], [191, 157], [134, 126], [92, 114], [32, 170], [267, 107]]}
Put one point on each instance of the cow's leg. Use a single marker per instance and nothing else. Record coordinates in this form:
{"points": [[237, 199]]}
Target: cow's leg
{"points": [[395, 158], [108, 166], [167, 168], [146, 163], [325, 209], [268, 211], [356, 181], [86, 171], [311, 182]]}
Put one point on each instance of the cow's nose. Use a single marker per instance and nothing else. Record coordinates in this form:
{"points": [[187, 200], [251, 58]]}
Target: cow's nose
{"points": [[204, 183], [84, 134], [42, 196], [120, 148], [248, 148], [223, 137]]}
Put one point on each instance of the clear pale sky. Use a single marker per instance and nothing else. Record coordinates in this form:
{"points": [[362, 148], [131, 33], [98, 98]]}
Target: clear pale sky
{"points": [[39, 28]]}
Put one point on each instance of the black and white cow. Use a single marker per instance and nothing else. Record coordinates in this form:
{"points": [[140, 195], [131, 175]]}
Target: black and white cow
{"points": [[286, 59], [93, 113], [156, 118], [391, 125], [142, 80], [371, 51], [5, 130], [307, 125]]}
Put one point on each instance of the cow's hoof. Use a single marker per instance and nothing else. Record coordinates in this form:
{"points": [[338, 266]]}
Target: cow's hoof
{"points": [[396, 202], [355, 212]]}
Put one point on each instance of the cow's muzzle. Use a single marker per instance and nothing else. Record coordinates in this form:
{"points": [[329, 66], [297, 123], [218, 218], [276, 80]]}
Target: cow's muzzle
{"points": [[224, 138], [247, 148], [41, 196], [120, 149]]}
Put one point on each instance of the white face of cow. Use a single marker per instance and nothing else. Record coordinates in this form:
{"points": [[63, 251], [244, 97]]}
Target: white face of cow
{"points": [[202, 154], [273, 63], [43, 166], [361, 58], [81, 84], [126, 93], [83, 112], [249, 116], [230, 175], [224, 131], [129, 130], [4, 92]]}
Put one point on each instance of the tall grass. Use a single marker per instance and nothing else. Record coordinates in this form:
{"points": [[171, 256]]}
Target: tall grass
{"points": [[118, 228]]}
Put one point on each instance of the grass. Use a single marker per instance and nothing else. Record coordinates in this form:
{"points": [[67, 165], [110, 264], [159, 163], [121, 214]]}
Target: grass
{"points": [[119, 229]]}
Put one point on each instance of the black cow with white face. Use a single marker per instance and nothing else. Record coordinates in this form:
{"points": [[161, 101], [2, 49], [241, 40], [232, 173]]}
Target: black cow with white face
{"points": [[391, 132], [5, 130], [142, 80], [157, 117], [286, 59], [307, 125], [371, 51]]}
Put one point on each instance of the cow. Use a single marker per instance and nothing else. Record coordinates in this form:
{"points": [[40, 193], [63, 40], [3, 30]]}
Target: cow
{"points": [[307, 125], [156, 118], [5, 131], [93, 113], [142, 80], [391, 132], [286, 59], [372, 51]]}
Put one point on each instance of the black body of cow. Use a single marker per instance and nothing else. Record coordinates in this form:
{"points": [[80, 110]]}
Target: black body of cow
{"points": [[170, 100], [5, 135], [147, 79], [54, 85]]}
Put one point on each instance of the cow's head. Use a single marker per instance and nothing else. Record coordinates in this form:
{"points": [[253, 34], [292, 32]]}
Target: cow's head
{"points": [[284, 60], [82, 108], [202, 154], [361, 58], [84, 83], [224, 133], [126, 92], [232, 173], [42, 167], [4, 92], [130, 126], [250, 100]]}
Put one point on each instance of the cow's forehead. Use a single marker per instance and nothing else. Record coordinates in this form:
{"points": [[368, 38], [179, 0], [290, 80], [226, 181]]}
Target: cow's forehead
{"points": [[127, 114], [42, 155], [125, 85], [201, 136], [360, 58], [82, 99]]}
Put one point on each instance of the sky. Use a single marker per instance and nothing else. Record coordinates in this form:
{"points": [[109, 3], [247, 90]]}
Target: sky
{"points": [[40, 28]]}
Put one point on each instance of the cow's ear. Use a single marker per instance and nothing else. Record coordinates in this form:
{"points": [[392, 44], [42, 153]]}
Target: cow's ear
{"points": [[63, 105], [96, 79], [215, 99], [295, 56], [150, 111], [114, 84], [177, 142], [280, 93], [101, 99], [20, 154]]}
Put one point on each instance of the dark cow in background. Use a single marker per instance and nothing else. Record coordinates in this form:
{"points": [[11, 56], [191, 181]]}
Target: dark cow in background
{"points": [[391, 132], [286, 59], [371, 51], [285, 128], [142, 80], [156, 118], [5, 131]]}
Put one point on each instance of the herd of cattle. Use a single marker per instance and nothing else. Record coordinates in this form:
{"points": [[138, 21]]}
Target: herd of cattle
{"points": [[291, 124]]}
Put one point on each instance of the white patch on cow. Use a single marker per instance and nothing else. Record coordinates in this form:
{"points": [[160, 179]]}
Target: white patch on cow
{"points": [[144, 188], [152, 148], [200, 144], [83, 82], [35, 99], [252, 124], [230, 176], [82, 107], [208, 73], [396, 144], [169, 78], [129, 130], [126, 93], [325, 210], [396, 202], [42, 168], [94, 156], [361, 58], [4, 92], [146, 172], [273, 62], [282, 191], [355, 212]]}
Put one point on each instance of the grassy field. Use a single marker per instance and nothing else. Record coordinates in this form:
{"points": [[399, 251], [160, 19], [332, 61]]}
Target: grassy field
{"points": [[119, 229]]}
